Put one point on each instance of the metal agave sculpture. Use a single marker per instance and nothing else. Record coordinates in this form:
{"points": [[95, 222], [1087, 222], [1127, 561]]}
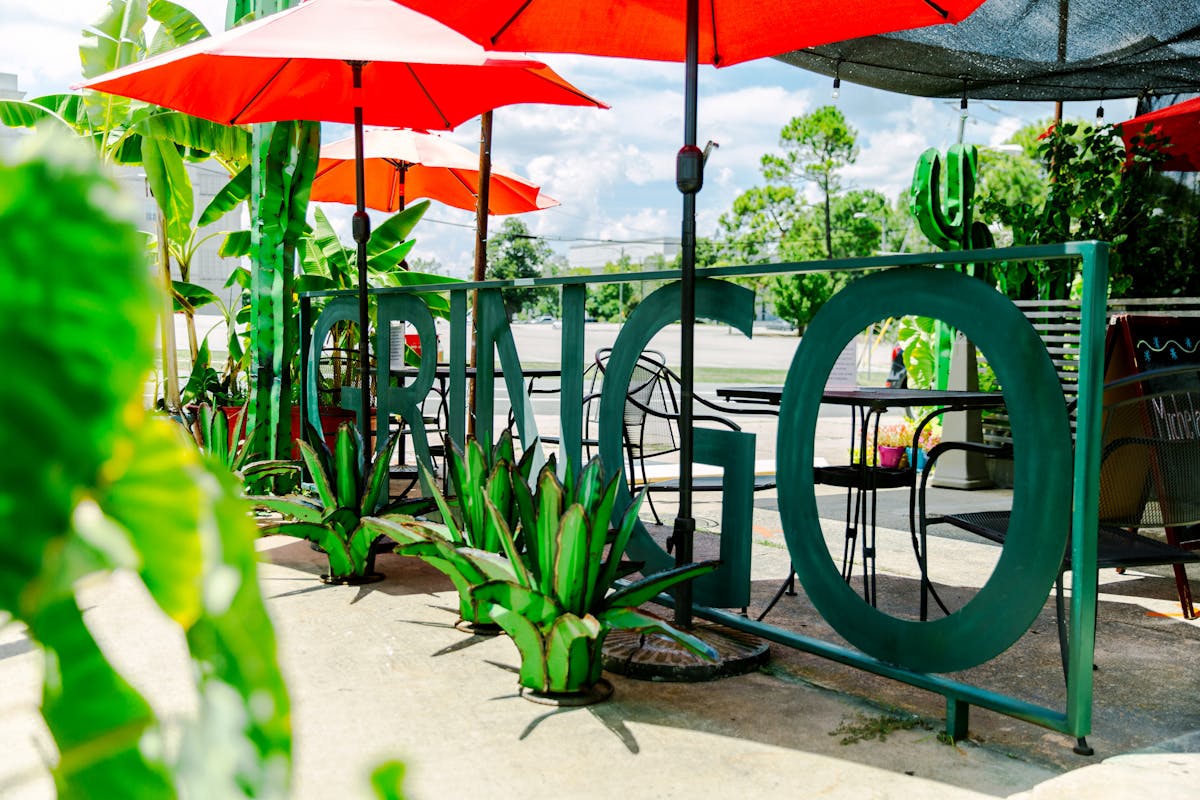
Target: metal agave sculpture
{"points": [[556, 604], [349, 487], [475, 474]]}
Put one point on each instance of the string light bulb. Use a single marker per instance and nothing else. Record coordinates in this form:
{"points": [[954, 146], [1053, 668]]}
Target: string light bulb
{"points": [[837, 80]]}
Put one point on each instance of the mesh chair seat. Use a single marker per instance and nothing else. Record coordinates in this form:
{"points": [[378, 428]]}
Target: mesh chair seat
{"points": [[1115, 546]]}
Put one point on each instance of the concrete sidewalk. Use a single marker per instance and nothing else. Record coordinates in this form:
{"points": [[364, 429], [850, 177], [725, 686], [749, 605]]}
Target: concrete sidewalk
{"points": [[379, 672]]}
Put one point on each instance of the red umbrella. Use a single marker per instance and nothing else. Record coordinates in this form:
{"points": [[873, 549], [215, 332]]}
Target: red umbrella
{"points": [[1181, 124], [718, 32], [361, 61], [402, 165]]}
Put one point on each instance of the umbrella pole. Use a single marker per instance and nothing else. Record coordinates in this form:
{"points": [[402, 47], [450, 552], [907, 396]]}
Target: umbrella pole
{"points": [[689, 177], [362, 234], [481, 226]]}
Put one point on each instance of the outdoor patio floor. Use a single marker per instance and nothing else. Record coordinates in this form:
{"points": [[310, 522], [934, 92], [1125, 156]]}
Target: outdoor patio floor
{"points": [[379, 671]]}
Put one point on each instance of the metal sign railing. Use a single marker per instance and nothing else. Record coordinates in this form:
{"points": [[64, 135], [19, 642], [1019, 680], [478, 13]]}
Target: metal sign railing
{"points": [[1051, 483]]}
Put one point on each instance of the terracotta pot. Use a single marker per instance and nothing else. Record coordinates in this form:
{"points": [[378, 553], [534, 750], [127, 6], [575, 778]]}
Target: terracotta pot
{"points": [[331, 418]]}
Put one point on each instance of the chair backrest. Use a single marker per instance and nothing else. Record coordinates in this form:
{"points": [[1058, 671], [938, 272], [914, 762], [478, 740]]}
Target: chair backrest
{"points": [[1150, 453], [651, 405], [337, 368]]}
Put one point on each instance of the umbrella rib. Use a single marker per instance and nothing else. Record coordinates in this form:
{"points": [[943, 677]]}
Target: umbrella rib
{"points": [[428, 96], [473, 192], [262, 88], [943, 12], [510, 21], [712, 18]]}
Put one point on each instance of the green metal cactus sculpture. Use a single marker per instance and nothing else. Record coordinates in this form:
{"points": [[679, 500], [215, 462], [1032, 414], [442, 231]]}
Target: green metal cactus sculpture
{"points": [[950, 226], [286, 159]]}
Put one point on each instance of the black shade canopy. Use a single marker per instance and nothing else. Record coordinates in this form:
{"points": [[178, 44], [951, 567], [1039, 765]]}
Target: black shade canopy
{"points": [[1030, 50]]}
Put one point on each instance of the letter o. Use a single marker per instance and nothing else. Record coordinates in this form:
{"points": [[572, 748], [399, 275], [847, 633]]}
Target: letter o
{"points": [[1015, 593]]}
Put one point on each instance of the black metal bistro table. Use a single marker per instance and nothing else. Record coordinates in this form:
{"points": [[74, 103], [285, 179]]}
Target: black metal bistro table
{"points": [[861, 477]]}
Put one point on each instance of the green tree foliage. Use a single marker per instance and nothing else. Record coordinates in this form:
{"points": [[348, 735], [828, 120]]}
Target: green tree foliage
{"points": [[1017, 177], [613, 302], [774, 223], [1097, 190], [514, 253], [816, 148]]}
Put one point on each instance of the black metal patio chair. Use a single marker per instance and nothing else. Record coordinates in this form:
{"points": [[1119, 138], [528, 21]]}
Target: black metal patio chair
{"points": [[1149, 479]]}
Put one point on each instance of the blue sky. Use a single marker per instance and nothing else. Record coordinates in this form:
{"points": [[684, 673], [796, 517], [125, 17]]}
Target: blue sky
{"points": [[613, 171]]}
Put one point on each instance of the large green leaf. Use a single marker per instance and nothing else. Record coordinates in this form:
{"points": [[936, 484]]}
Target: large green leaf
{"points": [[169, 182], [395, 229], [80, 444], [158, 500], [327, 255], [99, 722], [385, 262], [83, 375], [231, 143], [236, 244], [28, 113], [229, 197], [114, 40], [177, 26], [193, 294]]}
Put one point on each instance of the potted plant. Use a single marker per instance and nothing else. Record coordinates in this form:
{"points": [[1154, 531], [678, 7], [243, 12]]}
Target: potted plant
{"points": [[214, 434], [891, 442], [349, 485], [475, 473], [557, 606], [931, 436]]}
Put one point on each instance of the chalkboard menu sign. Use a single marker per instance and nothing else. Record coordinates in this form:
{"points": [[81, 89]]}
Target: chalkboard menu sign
{"points": [[1139, 343], [1167, 417]]}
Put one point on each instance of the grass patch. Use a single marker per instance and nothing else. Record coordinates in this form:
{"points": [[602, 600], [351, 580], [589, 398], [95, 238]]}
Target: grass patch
{"points": [[865, 728]]}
